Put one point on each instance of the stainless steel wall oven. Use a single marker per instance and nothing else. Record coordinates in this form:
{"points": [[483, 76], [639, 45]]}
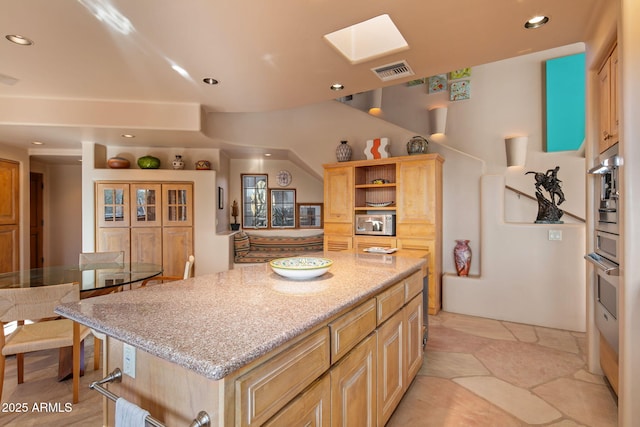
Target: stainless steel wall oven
{"points": [[606, 255]]}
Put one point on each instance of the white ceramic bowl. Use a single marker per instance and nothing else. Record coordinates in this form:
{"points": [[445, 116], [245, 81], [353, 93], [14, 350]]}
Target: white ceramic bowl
{"points": [[301, 268]]}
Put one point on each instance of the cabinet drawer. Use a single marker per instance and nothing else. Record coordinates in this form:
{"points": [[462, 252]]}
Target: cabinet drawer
{"points": [[348, 330], [412, 286], [312, 408], [390, 301], [266, 389]]}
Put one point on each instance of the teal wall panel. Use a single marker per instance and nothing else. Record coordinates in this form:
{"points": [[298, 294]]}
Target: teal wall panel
{"points": [[566, 102]]}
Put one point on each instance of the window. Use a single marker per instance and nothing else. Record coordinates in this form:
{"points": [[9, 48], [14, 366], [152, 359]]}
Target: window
{"points": [[283, 208], [254, 201], [309, 215]]}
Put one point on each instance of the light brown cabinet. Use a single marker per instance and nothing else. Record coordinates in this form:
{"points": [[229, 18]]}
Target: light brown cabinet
{"points": [[151, 222], [346, 372], [410, 188], [354, 385], [608, 102]]}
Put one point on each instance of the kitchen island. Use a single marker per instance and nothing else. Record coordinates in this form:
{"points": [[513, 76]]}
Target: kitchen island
{"points": [[250, 347]]}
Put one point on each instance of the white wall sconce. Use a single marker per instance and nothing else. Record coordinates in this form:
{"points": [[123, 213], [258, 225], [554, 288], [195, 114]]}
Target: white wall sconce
{"points": [[376, 101], [437, 120], [516, 147]]}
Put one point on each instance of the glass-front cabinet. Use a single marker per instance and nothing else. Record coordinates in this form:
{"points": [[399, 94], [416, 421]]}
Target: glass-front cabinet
{"points": [[151, 222], [146, 209], [113, 203]]}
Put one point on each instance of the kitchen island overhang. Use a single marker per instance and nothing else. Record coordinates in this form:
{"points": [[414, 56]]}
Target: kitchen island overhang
{"points": [[218, 323]]}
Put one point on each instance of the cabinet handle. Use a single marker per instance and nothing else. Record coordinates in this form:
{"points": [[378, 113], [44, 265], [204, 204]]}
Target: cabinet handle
{"points": [[606, 135]]}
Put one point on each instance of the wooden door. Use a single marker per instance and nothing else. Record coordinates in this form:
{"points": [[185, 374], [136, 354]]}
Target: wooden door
{"points": [[177, 201], [146, 205], [146, 245], [338, 195], [9, 216], [353, 387], [113, 209], [417, 196], [391, 367], [36, 222], [114, 239], [413, 320], [311, 409], [177, 245]]}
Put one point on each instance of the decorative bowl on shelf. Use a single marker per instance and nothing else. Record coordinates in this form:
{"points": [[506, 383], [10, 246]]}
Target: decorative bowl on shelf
{"points": [[379, 205], [118, 163], [301, 268], [149, 162], [380, 181]]}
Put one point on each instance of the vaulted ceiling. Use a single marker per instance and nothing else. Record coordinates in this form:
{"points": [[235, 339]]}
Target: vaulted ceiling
{"points": [[100, 68]]}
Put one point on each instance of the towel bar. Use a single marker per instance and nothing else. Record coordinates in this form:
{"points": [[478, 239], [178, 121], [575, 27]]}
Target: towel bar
{"points": [[202, 420]]}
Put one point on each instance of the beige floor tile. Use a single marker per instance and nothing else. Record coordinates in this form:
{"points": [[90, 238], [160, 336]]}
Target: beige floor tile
{"points": [[436, 402], [524, 333], [527, 365], [450, 365], [515, 400], [555, 338], [451, 340], [588, 403], [487, 328]]}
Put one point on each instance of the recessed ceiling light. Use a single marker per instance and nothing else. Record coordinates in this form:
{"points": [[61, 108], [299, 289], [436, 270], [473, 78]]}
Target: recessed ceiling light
{"points": [[18, 39], [337, 86], [267, 154], [37, 143], [127, 135], [536, 22], [210, 81]]}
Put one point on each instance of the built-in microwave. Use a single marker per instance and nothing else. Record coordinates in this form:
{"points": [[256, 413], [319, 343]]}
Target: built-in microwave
{"points": [[376, 224]]}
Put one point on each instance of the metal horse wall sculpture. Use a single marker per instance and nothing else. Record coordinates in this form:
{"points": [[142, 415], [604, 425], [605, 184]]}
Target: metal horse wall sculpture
{"points": [[548, 211]]}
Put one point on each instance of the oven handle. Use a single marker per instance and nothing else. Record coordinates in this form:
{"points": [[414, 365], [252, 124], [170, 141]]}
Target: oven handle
{"points": [[603, 264], [607, 210]]}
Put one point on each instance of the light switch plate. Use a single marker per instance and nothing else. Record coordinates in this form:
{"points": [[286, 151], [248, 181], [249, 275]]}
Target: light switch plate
{"points": [[555, 234], [129, 360]]}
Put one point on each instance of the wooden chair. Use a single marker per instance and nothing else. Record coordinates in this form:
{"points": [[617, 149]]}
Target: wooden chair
{"points": [[87, 260], [188, 266], [20, 304]]}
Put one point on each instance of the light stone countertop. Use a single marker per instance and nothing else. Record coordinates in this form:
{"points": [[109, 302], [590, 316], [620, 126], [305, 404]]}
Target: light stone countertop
{"points": [[215, 324]]}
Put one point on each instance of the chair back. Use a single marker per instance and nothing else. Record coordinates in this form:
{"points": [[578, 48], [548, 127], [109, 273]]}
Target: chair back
{"points": [[37, 302], [87, 260], [188, 266]]}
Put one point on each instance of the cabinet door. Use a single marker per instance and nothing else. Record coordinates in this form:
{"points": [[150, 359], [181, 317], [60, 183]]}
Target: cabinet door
{"points": [[310, 409], [177, 200], [413, 320], [177, 245], [353, 387], [417, 197], [114, 239], [146, 245], [391, 366], [338, 195], [608, 92], [113, 205], [146, 205]]}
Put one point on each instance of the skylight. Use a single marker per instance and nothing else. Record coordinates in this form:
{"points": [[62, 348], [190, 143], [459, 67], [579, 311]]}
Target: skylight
{"points": [[369, 39]]}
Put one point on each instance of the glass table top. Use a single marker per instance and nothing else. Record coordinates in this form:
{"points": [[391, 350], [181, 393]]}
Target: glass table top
{"points": [[92, 277]]}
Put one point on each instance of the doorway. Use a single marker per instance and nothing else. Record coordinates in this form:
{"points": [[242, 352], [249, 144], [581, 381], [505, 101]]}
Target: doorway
{"points": [[36, 222]]}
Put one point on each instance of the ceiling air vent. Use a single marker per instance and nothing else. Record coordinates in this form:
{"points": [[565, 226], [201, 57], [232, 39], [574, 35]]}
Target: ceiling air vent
{"points": [[393, 71]]}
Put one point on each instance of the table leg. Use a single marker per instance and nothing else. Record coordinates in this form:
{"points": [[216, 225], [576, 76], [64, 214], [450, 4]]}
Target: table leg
{"points": [[65, 363]]}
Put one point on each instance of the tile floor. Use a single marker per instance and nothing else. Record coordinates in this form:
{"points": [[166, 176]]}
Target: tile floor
{"points": [[482, 372], [478, 372]]}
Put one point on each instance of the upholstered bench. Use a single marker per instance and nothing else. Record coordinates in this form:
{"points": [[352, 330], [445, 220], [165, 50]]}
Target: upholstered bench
{"points": [[253, 248]]}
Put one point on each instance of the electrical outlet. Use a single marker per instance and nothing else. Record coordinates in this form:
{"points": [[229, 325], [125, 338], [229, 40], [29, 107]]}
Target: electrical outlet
{"points": [[555, 234], [129, 360]]}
